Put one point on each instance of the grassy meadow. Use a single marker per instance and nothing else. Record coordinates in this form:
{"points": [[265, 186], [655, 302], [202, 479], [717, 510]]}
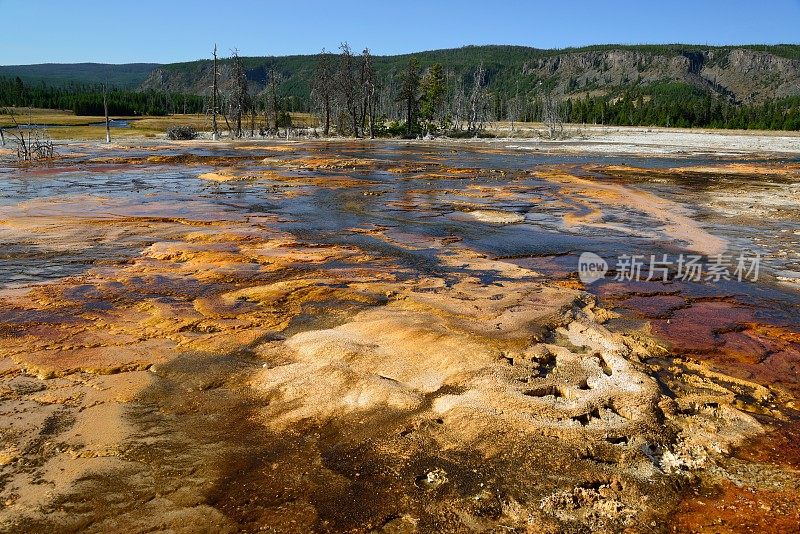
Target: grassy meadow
{"points": [[67, 125]]}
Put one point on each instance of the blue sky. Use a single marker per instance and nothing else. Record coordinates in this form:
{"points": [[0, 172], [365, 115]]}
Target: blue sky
{"points": [[123, 31]]}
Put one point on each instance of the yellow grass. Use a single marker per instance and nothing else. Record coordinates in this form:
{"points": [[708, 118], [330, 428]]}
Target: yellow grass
{"points": [[99, 133], [44, 116], [67, 125], [162, 124]]}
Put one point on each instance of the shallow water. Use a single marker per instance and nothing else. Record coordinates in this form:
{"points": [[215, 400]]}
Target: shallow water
{"points": [[412, 203], [78, 203], [96, 193]]}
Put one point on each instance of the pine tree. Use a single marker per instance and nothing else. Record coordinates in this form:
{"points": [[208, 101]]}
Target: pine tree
{"points": [[433, 91], [408, 94]]}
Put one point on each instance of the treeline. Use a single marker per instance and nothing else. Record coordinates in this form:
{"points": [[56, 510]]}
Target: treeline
{"points": [[351, 96], [88, 99], [674, 105], [627, 89], [351, 99], [433, 101]]}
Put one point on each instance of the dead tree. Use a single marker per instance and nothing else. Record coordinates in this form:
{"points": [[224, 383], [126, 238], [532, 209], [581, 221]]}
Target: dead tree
{"points": [[264, 106], [477, 101], [36, 147], [274, 85], [240, 100], [324, 88], [385, 100], [105, 109], [368, 92], [253, 117], [225, 108], [214, 132], [514, 108], [348, 86], [552, 116], [457, 100]]}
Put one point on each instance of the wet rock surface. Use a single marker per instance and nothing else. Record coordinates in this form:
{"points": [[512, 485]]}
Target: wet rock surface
{"points": [[385, 337]]}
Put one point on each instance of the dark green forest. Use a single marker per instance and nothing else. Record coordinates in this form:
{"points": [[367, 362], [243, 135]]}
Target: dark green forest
{"points": [[125, 76], [88, 99], [673, 105]]}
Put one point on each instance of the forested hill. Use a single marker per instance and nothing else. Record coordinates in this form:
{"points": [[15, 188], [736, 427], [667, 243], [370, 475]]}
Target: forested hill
{"points": [[126, 76], [741, 74], [754, 86]]}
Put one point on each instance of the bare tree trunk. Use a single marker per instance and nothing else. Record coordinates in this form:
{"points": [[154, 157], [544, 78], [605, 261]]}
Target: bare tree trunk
{"points": [[323, 88], [275, 80], [551, 116], [22, 148], [327, 115], [349, 87], [372, 114], [477, 101], [105, 109], [368, 88], [214, 134], [227, 123], [240, 99]]}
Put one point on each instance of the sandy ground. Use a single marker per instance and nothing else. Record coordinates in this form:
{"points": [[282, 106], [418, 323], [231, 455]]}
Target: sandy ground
{"points": [[661, 142]]}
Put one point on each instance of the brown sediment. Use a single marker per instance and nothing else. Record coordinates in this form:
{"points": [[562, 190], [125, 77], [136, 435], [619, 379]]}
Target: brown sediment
{"points": [[412, 168], [505, 191], [780, 447], [465, 173], [762, 496], [177, 159], [325, 162], [61, 340], [333, 182], [732, 508], [754, 368], [654, 306], [722, 332], [729, 339]]}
